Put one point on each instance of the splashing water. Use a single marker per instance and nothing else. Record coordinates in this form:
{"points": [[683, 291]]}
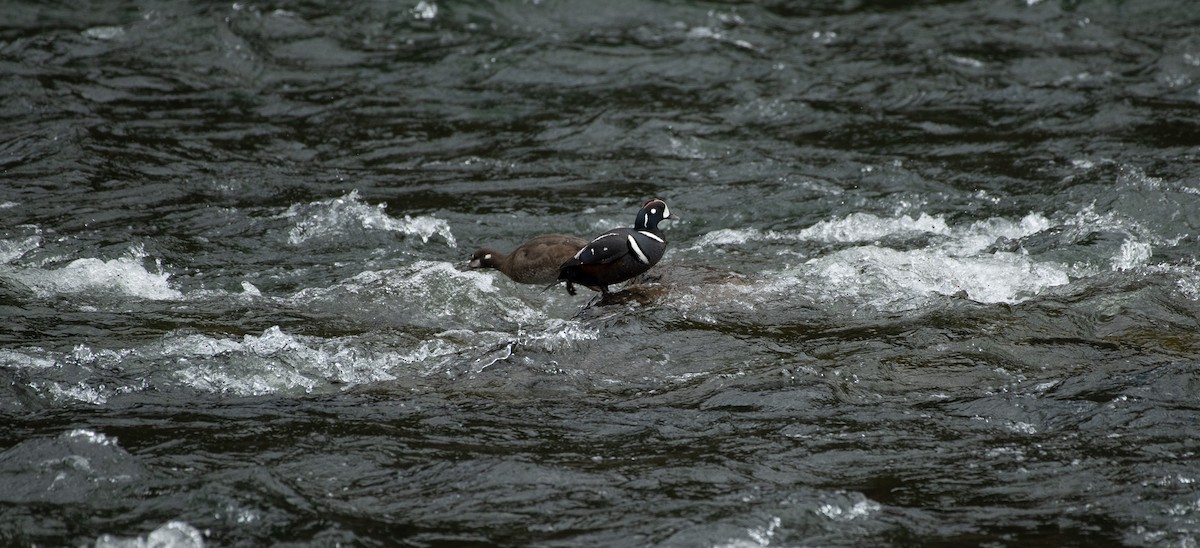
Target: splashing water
{"points": [[123, 276], [343, 216]]}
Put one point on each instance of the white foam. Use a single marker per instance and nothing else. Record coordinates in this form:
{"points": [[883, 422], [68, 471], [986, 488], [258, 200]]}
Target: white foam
{"points": [[759, 536], [12, 359], [957, 260], [1135, 250], [733, 236], [173, 534], [556, 333], [465, 305], [886, 277], [126, 276], [90, 436], [1088, 220], [603, 225], [272, 341], [424, 292], [81, 392], [702, 33], [278, 362], [434, 355], [55, 365], [341, 216], [427, 275], [249, 290], [425, 11], [1132, 254], [979, 235], [11, 250], [104, 33], [197, 345], [865, 227], [250, 381], [274, 361], [1187, 278], [1021, 427], [1189, 286], [859, 509]]}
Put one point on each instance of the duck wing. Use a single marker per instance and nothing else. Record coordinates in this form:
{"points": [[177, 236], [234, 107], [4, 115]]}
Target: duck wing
{"points": [[607, 248]]}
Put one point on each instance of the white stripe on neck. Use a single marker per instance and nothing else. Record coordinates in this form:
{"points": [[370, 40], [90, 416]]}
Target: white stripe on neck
{"points": [[651, 235], [641, 257]]}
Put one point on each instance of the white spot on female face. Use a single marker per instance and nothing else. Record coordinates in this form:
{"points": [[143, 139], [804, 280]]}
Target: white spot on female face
{"points": [[488, 257]]}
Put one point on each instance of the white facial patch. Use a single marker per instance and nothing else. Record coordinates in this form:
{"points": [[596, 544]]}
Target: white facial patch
{"points": [[641, 257], [666, 212]]}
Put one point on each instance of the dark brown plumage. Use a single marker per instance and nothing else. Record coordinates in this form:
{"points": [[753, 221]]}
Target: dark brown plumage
{"points": [[534, 262]]}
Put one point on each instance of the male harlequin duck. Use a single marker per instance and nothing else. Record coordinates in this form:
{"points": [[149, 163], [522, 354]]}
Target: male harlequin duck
{"points": [[534, 262], [619, 254]]}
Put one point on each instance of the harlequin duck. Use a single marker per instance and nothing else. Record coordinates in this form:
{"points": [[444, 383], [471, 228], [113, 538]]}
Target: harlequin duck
{"points": [[533, 262], [619, 254]]}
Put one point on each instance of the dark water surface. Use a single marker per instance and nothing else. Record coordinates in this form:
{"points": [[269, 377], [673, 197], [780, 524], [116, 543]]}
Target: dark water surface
{"points": [[933, 280]]}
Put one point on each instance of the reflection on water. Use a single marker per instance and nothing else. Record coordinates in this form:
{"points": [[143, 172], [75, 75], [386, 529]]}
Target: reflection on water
{"points": [[933, 280]]}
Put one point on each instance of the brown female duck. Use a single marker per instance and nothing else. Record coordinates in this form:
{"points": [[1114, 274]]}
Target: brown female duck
{"points": [[536, 261]]}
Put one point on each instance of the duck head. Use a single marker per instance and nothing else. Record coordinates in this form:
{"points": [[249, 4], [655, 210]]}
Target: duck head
{"points": [[649, 216]]}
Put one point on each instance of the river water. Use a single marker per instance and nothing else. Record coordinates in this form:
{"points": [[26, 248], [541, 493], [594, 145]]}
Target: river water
{"points": [[933, 278]]}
